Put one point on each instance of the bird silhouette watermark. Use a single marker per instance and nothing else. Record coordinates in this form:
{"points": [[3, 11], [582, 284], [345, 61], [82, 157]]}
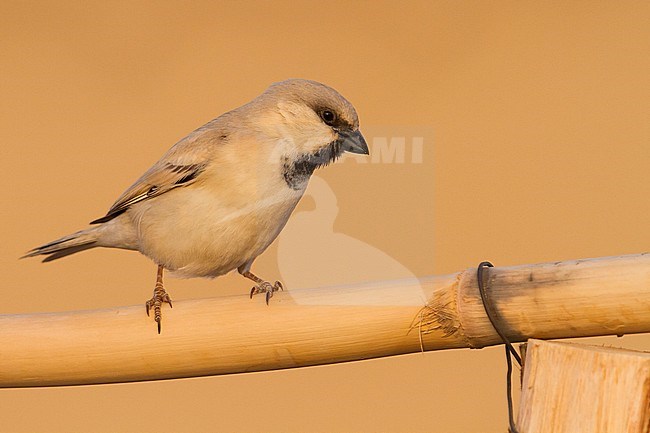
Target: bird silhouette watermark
{"points": [[309, 237]]}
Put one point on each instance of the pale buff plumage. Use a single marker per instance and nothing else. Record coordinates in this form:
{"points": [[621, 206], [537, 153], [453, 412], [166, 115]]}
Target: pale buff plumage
{"points": [[220, 196]]}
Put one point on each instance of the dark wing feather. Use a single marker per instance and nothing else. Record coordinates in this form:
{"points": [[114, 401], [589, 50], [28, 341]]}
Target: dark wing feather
{"points": [[180, 166], [153, 184]]}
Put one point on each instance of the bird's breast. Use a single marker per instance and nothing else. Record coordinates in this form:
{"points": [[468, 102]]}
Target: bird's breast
{"points": [[208, 230]]}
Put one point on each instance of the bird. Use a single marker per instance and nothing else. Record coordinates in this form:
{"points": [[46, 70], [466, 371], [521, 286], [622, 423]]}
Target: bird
{"points": [[219, 197]]}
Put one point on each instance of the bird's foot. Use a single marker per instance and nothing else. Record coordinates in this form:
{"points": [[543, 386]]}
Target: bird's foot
{"points": [[266, 287], [159, 297]]}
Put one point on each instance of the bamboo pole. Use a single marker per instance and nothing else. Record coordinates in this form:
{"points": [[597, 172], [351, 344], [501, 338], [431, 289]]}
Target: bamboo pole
{"points": [[321, 326], [578, 388]]}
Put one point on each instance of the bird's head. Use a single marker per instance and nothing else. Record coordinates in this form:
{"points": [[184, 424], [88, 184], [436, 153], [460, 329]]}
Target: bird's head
{"points": [[313, 124]]}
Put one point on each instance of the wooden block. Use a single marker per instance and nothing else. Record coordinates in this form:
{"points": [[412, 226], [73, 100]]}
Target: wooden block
{"points": [[573, 388]]}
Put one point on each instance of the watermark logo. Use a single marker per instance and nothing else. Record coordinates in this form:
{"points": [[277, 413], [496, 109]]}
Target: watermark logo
{"points": [[394, 150], [311, 253], [396, 145]]}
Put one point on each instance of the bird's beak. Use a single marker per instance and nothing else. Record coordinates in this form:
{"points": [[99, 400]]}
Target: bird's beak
{"points": [[353, 142]]}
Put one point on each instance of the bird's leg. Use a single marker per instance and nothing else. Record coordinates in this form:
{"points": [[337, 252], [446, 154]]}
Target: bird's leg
{"points": [[159, 296], [262, 286]]}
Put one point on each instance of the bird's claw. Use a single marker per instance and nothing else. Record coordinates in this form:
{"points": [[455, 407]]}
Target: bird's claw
{"points": [[160, 296], [266, 287]]}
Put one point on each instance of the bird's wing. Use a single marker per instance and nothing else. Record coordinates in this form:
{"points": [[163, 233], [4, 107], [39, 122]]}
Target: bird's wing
{"points": [[182, 165]]}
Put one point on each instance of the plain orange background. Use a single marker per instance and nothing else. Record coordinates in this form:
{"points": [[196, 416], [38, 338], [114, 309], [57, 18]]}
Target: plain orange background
{"points": [[534, 117]]}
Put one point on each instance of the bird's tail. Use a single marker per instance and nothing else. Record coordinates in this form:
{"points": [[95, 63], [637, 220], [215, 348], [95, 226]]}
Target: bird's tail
{"points": [[66, 245]]}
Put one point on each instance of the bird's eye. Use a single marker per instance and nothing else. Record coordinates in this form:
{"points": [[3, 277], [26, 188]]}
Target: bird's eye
{"points": [[328, 116]]}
